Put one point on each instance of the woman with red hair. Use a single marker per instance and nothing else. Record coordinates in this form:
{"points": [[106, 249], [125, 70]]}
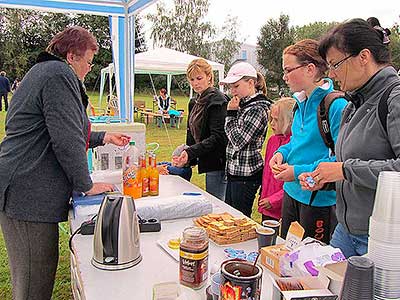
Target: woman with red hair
{"points": [[43, 159]]}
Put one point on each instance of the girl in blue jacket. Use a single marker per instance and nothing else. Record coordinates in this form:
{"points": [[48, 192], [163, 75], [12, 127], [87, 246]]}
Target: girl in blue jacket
{"points": [[303, 72]]}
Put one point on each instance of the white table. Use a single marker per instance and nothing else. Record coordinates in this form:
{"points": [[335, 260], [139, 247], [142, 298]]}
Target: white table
{"points": [[156, 266]]}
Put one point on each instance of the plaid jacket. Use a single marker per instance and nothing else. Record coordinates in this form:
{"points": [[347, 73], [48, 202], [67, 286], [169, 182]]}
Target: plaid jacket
{"points": [[246, 129]]}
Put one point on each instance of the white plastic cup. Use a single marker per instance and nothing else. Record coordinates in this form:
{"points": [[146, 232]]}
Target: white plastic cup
{"points": [[387, 198], [384, 232]]}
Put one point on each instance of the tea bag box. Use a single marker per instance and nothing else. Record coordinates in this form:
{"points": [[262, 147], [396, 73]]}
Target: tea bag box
{"points": [[317, 289], [109, 157]]}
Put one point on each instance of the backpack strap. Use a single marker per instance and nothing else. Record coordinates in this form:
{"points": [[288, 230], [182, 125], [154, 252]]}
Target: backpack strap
{"points": [[383, 105], [323, 118], [324, 125]]}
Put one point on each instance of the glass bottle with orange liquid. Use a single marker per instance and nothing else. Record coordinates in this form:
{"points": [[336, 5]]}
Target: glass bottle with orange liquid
{"points": [[131, 177], [154, 176], [145, 176]]}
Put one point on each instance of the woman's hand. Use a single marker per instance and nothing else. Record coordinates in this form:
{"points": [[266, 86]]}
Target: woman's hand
{"points": [[306, 185], [100, 187], [233, 104], [286, 173], [181, 160], [118, 139], [264, 203], [328, 172]]}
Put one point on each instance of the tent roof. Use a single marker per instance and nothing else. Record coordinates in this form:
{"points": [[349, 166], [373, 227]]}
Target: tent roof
{"points": [[100, 7], [166, 61], [161, 61]]}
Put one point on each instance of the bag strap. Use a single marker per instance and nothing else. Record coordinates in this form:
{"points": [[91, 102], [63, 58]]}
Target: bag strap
{"points": [[324, 125], [323, 118], [383, 105]]}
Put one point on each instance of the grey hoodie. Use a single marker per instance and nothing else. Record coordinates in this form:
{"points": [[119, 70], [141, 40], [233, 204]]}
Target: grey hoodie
{"points": [[366, 149]]}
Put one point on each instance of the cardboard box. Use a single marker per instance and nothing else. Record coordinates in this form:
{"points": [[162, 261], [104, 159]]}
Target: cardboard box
{"points": [[270, 255], [335, 273], [316, 289]]}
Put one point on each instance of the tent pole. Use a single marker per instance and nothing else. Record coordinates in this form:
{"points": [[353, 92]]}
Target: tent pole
{"points": [[169, 80]]}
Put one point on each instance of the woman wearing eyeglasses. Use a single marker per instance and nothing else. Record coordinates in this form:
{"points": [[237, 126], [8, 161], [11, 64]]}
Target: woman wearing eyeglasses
{"points": [[43, 159], [304, 71], [360, 61]]}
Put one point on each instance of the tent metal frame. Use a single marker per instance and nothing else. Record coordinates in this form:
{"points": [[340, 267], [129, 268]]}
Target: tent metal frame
{"points": [[121, 15]]}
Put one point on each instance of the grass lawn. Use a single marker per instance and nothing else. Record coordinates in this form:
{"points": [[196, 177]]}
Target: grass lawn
{"points": [[62, 290]]}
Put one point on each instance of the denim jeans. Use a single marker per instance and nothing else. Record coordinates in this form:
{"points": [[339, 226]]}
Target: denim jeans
{"points": [[240, 194], [216, 184], [172, 121], [350, 244]]}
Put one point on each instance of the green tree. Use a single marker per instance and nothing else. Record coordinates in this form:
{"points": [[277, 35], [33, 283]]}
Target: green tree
{"points": [[395, 46], [99, 27], [25, 33], [140, 41], [274, 37], [227, 43], [183, 28], [313, 30]]}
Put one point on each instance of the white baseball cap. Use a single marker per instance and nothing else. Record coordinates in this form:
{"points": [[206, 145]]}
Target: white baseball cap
{"points": [[238, 71]]}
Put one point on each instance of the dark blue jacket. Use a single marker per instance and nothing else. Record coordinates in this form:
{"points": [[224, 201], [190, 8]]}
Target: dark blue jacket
{"points": [[4, 85]]}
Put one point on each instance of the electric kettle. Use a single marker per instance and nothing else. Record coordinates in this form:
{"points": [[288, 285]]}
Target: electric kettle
{"points": [[116, 235]]}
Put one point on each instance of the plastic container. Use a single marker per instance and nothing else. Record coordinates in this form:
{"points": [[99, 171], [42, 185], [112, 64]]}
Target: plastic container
{"points": [[387, 198], [131, 179], [109, 157]]}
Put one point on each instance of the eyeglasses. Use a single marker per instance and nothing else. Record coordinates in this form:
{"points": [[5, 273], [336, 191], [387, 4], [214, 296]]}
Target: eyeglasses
{"points": [[286, 71], [335, 66]]}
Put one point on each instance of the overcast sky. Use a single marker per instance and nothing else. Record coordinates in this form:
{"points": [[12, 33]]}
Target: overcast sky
{"points": [[253, 14]]}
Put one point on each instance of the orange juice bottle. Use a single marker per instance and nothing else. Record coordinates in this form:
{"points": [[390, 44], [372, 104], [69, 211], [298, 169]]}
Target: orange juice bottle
{"points": [[131, 177], [145, 176], [154, 176]]}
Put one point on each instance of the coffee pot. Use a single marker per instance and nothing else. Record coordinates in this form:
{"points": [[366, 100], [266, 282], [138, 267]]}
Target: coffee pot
{"points": [[116, 235]]}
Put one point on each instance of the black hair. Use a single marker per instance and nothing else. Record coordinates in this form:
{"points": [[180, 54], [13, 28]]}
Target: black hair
{"points": [[373, 21], [384, 32], [353, 36]]}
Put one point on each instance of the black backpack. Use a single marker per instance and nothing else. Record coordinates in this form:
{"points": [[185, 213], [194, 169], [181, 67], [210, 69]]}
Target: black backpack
{"points": [[383, 106]]}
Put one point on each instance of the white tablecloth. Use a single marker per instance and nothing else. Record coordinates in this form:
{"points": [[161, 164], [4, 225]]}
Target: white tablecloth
{"points": [[156, 266]]}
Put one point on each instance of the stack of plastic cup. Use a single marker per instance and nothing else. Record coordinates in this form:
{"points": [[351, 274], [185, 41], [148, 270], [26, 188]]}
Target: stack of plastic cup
{"points": [[359, 279], [384, 237]]}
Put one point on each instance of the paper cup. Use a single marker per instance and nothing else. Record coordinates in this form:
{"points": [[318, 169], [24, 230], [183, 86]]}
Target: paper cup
{"points": [[275, 225], [265, 236]]}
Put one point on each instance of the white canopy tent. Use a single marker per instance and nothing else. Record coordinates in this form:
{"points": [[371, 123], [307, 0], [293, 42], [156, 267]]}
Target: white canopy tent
{"points": [[121, 15], [160, 61]]}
